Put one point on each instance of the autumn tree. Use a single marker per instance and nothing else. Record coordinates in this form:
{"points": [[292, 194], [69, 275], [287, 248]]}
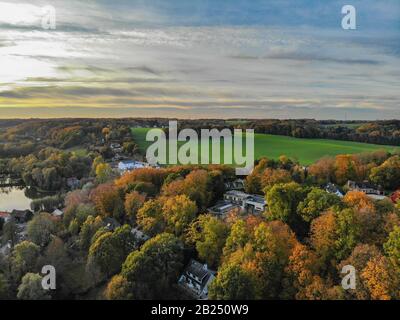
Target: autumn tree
{"points": [[133, 202], [208, 234], [271, 177], [150, 217], [323, 171], [196, 185], [346, 168], [118, 289], [380, 279], [300, 271], [359, 259], [323, 237], [178, 212], [359, 201], [108, 201], [234, 283], [253, 180], [163, 255], [387, 174], [56, 255], [273, 242]]}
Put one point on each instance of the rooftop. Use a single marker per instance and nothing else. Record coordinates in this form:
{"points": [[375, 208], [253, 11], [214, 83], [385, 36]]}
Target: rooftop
{"points": [[256, 198], [237, 193], [197, 269]]}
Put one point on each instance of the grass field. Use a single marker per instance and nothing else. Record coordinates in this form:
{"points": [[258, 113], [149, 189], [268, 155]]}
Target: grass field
{"points": [[306, 151]]}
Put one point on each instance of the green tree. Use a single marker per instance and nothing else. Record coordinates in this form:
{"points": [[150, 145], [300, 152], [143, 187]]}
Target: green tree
{"points": [[152, 270], [348, 233], [104, 172], [283, 200], [233, 283], [31, 288], [150, 217], [316, 202], [238, 237], [208, 234], [10, 232], [4, 290], [24, 258], [88, 230], [110, 249], [392, 247], [40, 229]]}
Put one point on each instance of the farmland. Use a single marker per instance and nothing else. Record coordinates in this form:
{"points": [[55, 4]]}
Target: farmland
{"points": [[306, 151]]}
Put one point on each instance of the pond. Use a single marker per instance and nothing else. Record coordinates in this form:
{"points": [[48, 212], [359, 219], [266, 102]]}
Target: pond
{"points": [[19, 198], [14, 198]]}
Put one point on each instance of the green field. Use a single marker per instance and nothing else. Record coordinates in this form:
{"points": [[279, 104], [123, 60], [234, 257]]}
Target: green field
{"points": [[306, 151]]}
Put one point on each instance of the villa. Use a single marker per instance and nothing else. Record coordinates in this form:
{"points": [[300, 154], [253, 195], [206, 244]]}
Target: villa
{"points": [[254, 204], [222, 208], [365, 187], [196, 279], [333, 189], [129, 165]]}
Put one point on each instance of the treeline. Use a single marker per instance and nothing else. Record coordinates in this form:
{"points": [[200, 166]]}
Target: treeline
{"points": [[380, 168], [377, 132], [30, 136], [50, 168]]}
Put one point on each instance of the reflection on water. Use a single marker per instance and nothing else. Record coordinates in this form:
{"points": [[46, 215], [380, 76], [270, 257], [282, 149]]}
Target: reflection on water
{"points": [[13, 198], [18, 197]]}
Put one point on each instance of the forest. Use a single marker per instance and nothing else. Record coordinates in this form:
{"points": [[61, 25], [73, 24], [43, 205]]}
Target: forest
{"points": [[294, 250]]}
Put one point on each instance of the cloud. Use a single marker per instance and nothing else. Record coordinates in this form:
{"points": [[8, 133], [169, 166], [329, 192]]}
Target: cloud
{"points": [[203, 58]]}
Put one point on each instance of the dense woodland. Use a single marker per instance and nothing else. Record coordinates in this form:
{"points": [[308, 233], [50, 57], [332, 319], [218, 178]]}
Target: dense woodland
{"points": [[294, 250]]}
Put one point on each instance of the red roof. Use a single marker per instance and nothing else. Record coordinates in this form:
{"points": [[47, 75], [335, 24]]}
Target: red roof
{"points": [[4, 214]]}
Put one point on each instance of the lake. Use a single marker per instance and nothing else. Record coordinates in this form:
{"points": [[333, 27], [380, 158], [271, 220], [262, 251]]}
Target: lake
{"points": [[13, 198]]}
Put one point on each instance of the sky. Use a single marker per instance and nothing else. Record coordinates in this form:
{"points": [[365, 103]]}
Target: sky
{"points": [[200, 59]]}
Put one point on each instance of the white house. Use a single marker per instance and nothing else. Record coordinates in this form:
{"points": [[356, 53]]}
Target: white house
{"points": [[249, 202], [128, 165], [57, 213], [196, 278], [333, 189]]}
